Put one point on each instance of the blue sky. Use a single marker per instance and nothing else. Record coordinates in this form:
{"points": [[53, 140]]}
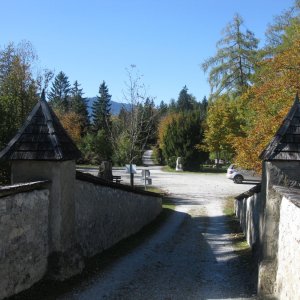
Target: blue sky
{"points": [[167, 40]]}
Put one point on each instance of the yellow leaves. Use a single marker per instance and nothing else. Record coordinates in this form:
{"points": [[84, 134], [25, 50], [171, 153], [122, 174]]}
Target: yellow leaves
{"points": [[270, 99], [222, 123], [162, 127], [71, 123]]}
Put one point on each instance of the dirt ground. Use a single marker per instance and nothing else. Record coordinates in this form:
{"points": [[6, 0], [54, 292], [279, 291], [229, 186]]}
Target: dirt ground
{"points": [[190, 257]]}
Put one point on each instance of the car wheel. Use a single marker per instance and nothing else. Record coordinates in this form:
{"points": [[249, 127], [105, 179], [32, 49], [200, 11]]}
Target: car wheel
{"points": [[238, 179]]}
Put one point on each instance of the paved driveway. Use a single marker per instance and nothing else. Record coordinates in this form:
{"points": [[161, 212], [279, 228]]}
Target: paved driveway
{"points": [[191, 257]]}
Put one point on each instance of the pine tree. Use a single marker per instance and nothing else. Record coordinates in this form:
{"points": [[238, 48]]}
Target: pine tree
{"points": [[185, 100], [179, 134], [172, 106], [101, 110], [163, 108], [232, 66], [78, 105], [60, 92]]}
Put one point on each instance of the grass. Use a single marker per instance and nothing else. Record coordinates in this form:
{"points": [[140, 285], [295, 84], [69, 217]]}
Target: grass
{"points": [[166, 202], [240, 245], [87, 166]]}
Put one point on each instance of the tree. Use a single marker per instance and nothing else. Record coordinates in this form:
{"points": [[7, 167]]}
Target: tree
{"points": [[172, 106], [149, 122], [277, 35], [232, 66], [44, 77], [101, 110], [102, 126], [223, 122], [18, 90], [268, 102], [139, 123], [95, 147], [185, 100], [78, 105], [179, 134], [71, 123], [60, 92], [163, 108]]}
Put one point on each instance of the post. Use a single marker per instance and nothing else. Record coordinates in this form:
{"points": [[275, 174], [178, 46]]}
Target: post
{"points": [[131, 176]]}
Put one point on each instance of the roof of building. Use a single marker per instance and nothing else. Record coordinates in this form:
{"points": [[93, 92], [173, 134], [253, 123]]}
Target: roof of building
{"points": [[42, 137], [286, 143]]}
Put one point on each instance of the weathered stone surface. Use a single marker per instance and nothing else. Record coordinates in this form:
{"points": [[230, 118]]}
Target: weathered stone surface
{"points": [[288, 272], [105, 215], [248, 211], [62, 209], [279, 271], [23, 240]]}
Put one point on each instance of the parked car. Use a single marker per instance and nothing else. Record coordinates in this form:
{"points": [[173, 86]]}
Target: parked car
{"points": [[239, 175]]}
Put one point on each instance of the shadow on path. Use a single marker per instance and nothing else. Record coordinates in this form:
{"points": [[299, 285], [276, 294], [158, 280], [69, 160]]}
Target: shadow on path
{"points": [[184, 256]]}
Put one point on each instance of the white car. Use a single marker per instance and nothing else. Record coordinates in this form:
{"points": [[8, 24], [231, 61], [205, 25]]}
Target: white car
{"points": [[239, 175]]}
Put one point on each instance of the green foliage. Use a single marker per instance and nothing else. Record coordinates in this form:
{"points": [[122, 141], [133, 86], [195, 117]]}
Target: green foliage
{"points": [[95, 147], [136, 127], [78, 105], [185, 100], [225, 119], [121, 154], [18, 89], [232, 66], [101, 110], [60, 92], [282, 31], [179, 135]]}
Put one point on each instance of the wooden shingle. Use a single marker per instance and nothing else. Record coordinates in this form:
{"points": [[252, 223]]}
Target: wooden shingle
{"points": [[42, 137], [286, 143]]}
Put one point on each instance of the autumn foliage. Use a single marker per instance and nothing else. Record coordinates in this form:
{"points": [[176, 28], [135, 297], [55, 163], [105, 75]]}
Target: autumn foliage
{"points": [[71, 123], [241, 124], [268, 102]]}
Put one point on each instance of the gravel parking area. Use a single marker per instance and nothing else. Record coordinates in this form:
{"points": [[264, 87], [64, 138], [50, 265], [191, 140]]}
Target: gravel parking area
{"points": [[191, 257]]}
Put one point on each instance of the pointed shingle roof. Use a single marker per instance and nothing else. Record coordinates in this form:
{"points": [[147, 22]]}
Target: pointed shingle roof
{"points": [[42, 137], [286, 143]]}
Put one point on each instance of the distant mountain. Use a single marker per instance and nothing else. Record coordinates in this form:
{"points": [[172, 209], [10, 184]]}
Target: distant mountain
{"points": [[115, 106]]}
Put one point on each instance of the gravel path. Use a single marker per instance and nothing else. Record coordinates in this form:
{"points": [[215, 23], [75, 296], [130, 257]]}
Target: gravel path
{"points": [[191, 257]]}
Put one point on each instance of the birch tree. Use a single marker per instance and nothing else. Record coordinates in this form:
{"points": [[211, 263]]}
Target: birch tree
{"points": [[134, 136]]}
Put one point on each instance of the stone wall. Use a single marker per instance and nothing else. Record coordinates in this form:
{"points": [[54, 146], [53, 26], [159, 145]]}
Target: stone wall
{"points": [[288, 272], [248, 211], [23, 237], [285, 277], [107, 214]]}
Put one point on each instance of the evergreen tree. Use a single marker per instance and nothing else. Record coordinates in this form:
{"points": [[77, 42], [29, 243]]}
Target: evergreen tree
{"points": [[163, 108], [172, 106], [78, 105], [232, 66], [101, 110], [204, 106], [149, 121], [185, 100], [60, 92], [180, 133]]}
